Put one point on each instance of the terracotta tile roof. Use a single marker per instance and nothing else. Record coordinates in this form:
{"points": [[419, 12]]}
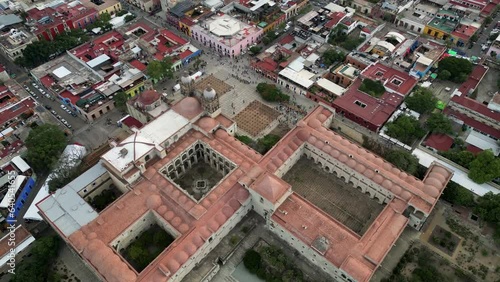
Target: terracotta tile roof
{"points": [[197, 221], [138, 65], [21, 234], [270, 187]]}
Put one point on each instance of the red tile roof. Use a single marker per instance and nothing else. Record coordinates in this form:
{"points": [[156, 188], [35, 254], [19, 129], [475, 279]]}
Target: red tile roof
{"points": [[473, 80], [335, 17], [287, 39], [376, 111], [17, 109], [11, 149], [473, 149], [185, 54], [389, 76], [138, 65], [132, 122], [473, 123], [440, 142], [464, 31], [70, 96]]}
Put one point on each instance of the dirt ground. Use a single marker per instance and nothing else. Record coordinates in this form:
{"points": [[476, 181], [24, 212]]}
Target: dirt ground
{"points": [[476, 254]]}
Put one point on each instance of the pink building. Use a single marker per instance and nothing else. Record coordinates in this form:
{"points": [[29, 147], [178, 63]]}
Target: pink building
{"points": [[227, 35]]}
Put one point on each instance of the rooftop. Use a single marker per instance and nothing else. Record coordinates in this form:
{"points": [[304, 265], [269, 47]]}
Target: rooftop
{"points": [[376, 111], [197, 222], [443, 24], [394, 80], [151, 135]]}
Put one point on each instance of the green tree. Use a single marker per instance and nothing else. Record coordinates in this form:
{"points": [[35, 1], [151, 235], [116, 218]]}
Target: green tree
{"points": [[458, 195], [252, 261], [267, 142], [372, 87], [255, 50], [488, 20], [439, 123], [474, 37], [463, 157], [332, 56], [244, 139], [458, 68], [406, 129], [403, 160], [485, 167], [271, 93], [120, 99], [493, 54], [159, 70], [129, 18], [421, 101], [488, 208], [444, 75], [45, 144], [38, 267]]}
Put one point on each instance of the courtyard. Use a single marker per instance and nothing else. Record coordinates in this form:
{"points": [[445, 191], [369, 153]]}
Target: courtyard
{"points": [[254, 118], [199, 179], [338, 199]]}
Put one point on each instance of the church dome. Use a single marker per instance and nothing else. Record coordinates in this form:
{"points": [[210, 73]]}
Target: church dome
{"points": [[148, 97], [186, 78], [209, 92]]}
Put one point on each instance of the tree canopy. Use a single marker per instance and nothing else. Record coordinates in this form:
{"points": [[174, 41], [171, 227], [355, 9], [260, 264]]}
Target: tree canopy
{"points": [[271, 93], [403, 160], [421, 101], [338, 36], [485, 167], [439, 123], [332, 56], [38, 267], [406, 129], [460, 157], [159, 70], [255, 50], [45, 144], [372, 87], [458, 195], [488, 208], [457, 68], [265, 143], [120, 99], [42, 51]]}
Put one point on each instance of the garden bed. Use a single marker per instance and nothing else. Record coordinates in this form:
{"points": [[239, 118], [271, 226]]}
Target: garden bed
{"points": [[444, 240]]}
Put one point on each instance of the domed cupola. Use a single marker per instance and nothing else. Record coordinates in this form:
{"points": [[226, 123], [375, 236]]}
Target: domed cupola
{"points": [[209, 92]]}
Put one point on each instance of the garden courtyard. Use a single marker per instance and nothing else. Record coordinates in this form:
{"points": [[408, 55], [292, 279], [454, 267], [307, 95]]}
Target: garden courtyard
{"points": [[142, 251], [340, 200], [199, 179]]}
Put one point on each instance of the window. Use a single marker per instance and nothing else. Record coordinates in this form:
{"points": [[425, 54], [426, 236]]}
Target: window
{"points": [[360, 104], [261, 200], [396, 81]]}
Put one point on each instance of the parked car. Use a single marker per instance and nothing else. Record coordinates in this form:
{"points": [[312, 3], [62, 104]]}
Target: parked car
{"points": [[48, 107], [54, 112], [68, 111], [73, 114], [63, 107]]}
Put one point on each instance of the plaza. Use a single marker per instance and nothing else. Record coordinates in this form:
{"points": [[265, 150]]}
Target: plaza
{"points": [[257, 117]]}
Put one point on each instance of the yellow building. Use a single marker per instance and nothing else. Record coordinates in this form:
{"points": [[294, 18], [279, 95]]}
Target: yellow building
{"points": [[442, 25], [109, 6]]}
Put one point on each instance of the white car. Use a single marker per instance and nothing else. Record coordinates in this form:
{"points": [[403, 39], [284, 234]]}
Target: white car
{"points": [[63, 107]]}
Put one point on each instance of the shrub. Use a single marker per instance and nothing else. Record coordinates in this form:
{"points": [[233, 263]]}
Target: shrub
{"points": [[372, 87], [252, 261], [271, 93]]}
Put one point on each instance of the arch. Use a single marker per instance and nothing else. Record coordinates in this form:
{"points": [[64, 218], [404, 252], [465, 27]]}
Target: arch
{"points": [[327, 168], [320, 164], [351, 183], [343, 178]]}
